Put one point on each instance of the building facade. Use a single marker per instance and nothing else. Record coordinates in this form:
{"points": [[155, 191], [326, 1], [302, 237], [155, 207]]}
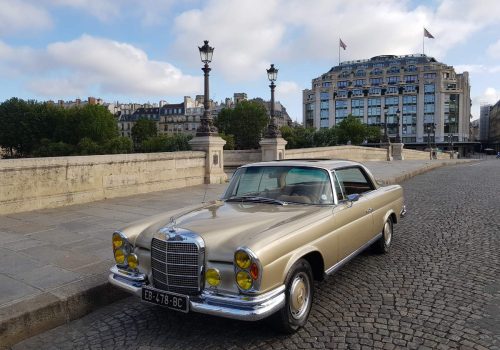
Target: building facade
{"points": [[424, 93], [484, 122], [494, 127]]}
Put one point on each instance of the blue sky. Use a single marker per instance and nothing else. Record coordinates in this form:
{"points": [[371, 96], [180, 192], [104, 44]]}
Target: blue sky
{"points": [[146, 51]]}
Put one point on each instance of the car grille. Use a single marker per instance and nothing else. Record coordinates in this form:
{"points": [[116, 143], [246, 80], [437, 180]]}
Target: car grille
{"points": [[177, 266]]}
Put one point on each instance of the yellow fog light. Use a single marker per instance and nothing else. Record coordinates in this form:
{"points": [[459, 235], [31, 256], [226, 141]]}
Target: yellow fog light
{"points": [[244, 280], [118, 241], [242, 259], [133, 261], [119, 256], [213, 277]]}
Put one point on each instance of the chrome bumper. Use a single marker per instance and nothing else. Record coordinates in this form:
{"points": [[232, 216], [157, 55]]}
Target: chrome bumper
{"points": [[239, 307]]}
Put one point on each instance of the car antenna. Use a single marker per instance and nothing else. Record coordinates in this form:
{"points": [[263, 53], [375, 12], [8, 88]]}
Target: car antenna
{"points": [[205, 195]]}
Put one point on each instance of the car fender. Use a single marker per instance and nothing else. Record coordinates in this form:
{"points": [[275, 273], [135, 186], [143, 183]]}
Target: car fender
{"points": [[297, 255]]}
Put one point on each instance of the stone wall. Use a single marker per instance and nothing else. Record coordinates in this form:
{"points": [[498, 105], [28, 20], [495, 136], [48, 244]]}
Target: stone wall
{"points": [[237, 158], [36, 183], [356, 153], [411, 154]]}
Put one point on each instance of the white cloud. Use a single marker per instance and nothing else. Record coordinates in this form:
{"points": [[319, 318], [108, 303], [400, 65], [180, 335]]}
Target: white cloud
{"points": [[17, 15], [286, 88], [99, 65], [490, 95], [494, 50]]}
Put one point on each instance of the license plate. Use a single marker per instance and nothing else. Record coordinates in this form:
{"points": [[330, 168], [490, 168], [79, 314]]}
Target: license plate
{"points": [[172, 301]]}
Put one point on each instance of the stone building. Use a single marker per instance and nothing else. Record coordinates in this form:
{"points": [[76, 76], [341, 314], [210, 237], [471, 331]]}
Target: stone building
{"points": [[423, 90], [494, 127]]}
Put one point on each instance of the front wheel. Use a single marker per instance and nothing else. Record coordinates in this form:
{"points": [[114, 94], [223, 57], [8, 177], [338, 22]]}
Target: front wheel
{"points": [[382, 245], [299, 295]]}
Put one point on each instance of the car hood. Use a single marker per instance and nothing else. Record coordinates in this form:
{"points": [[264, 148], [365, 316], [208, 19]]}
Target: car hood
{"points": [[226, 226]]}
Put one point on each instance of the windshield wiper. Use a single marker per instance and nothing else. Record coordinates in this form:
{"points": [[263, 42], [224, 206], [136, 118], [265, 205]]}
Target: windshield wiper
{"points": [[256, 199]]}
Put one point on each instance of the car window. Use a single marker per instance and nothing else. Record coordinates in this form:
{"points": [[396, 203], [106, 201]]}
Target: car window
{"points": [[305, 185], [353, 180]]}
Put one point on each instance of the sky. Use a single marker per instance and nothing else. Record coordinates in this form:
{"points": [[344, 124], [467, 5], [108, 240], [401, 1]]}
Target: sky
{"points": [[147, 50]]}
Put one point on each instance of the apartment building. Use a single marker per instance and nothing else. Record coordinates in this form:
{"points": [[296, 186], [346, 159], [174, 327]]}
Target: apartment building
{"points": [[416, 88]]}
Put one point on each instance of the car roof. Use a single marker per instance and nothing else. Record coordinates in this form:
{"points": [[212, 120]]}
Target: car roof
{"points": [[328, 164]]}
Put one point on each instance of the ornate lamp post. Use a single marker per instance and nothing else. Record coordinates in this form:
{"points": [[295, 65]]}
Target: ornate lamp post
{"points": [[206, 127], [398, 138], [386, 136], [428, 129], [272, 128]]}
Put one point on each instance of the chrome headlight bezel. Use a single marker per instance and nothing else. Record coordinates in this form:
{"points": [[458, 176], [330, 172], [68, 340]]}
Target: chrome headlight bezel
{"points": [[253, 260], [127, 249]]}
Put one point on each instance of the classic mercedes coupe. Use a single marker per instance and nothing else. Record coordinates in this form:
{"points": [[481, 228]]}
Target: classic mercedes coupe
{"points": [[255, 252]]}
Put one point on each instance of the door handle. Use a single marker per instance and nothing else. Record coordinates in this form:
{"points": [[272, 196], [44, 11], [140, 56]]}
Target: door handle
{"points": [[369, 210]]}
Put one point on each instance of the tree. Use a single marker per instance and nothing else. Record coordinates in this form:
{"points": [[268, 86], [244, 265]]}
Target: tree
{"points": [[353, 130], [166, 143], [373, 134], [93, 122], [325, 137], [118, 145], [246, 122], [15, 130], [298, 137], [142, 130]]}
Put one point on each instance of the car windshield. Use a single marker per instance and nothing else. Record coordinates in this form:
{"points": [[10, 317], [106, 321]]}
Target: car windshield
{"points": [[287, 184]]}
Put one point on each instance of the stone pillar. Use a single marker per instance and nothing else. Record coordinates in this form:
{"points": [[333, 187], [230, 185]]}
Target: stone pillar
{"points": [[273, 148], [214, 157], [397, 151], [388, 147]]}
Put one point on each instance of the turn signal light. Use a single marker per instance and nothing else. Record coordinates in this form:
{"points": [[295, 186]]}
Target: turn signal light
{"points": [[212, 277], [244, 280], [254, 271], [242, 259]]}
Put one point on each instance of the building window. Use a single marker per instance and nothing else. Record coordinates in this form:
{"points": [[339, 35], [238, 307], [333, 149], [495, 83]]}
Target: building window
{"points": [[342, 94], [374, 102], [411, 68], [391, 90], [360, 73], [375, 91], [358, 107], [376, 81], [359, 82], [357, 92], [393, 69], [377, 71], [393, 80], [326, 84], [410, 78], [342, 84], [430, 76], [429, 98], [410, 88], [429, 88], [324, 96]]}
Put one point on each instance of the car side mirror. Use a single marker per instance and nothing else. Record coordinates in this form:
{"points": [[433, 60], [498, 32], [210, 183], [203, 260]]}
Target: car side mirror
{"points": [[353, 197]]}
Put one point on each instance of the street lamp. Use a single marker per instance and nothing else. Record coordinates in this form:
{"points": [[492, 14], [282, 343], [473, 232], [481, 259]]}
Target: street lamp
{"points": [[272, 129], [206, 127], [398, 138], [428, 129], [386, 136]]}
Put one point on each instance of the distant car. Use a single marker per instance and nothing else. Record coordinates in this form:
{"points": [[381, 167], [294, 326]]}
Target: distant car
{"points": [[255, 252]]}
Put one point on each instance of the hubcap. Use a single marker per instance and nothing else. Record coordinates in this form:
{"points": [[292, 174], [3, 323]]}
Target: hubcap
{"points": [[299, 295], [387, 234]]}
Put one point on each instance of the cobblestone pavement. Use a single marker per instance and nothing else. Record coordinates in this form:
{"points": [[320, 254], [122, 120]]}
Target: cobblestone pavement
{"points": [[438, 288]]}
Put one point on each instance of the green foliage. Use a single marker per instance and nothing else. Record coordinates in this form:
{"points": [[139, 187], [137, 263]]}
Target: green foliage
{"points": [[87, 146], [141, 131], [166, 143], [352, 130], [230, 144], [47, 148], [246, 122], [298, 137], [118, 145], [373, 134], [325, 137]]}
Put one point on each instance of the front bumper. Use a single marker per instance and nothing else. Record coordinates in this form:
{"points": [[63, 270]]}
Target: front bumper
{"points": [[239, 307]]}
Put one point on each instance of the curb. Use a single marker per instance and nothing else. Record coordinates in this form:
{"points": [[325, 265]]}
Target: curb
{"points": [[46, 311], [21, 320]]}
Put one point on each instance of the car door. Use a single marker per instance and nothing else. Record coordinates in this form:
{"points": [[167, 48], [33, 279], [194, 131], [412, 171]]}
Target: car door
{"points": [[353, 219]]}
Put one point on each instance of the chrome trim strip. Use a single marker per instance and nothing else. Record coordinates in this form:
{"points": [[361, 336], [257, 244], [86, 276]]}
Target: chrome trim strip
{"points": [[352, 255]]}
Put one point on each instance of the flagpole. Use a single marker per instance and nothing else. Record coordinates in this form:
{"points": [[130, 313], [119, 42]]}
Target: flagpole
{"points": [[339, 50], [423, 43]]}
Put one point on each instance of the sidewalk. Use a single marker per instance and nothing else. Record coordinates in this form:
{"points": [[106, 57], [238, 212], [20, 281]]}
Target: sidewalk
{"points": [[54, 263]]}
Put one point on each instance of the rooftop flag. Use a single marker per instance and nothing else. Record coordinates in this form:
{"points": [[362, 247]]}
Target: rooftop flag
{"points": [[427, 34], [342, 45]]}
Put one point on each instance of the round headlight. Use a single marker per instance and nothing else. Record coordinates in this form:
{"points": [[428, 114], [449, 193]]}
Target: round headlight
{"points": [[133, 261], [213, 277], [118, 241], [244, 280], [242, 259], [120, 256]]}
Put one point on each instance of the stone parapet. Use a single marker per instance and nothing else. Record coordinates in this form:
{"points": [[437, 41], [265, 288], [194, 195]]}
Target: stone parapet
{"points": [[37, 183]]}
